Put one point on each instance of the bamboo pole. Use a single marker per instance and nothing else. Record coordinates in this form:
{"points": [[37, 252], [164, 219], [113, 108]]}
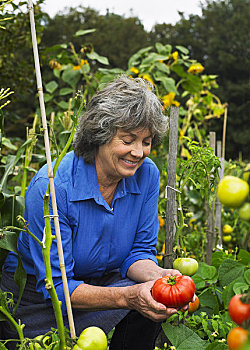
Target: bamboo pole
{"points": [[50, 170], [224, 133], [211, 236], [218, 203]]}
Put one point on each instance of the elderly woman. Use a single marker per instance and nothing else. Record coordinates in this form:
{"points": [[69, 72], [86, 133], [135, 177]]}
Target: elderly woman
{"points": [[107, 196]]}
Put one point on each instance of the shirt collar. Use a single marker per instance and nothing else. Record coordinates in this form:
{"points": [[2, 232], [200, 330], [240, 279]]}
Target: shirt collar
{"points": [[85, 182]]}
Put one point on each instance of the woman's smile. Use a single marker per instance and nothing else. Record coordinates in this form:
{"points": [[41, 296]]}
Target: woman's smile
{"points": [[123, 155]]}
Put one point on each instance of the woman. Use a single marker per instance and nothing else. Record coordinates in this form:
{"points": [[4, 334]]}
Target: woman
{"points": [[107, 196]]}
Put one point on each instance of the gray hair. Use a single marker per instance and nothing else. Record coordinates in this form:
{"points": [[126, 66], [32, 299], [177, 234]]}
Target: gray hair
{"points": [[124, 103]]}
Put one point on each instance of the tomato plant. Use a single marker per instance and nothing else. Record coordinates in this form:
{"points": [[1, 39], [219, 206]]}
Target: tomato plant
{"points": [[236, 338], [187, 266], [239, 308], [92, 338], [232, 191], [174, 291]]}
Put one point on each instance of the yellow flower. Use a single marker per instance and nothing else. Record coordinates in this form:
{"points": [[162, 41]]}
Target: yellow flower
{"points": [[181, 134], [146, 77], [159, 257], [168, 100], [161, 221], [82, 62], [55, 65], [154, 153], [195, 68], [134, 70], [191, 222], [175, 55]]}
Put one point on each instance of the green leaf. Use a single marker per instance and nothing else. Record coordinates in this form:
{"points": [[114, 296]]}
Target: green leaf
{"points": [[206, 271], [240, 287], [7, 143], [192, 84], [63, 105], [94, 56], [168, 83], [162, 67], [228, 270], [217, 346], [51, 86], [20, 278], [8, 241], [55, 48], [71, 76], [243, 257], [135, 59], [183, 338], [65, 91], [228, 292], [199, 282], [84, 32], [182, 49], [247, 276]]}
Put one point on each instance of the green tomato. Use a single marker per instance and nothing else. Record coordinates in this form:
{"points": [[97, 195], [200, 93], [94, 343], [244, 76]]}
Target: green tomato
{"points": [[187, 266], [227, 238], [92, 338], [232, 191], [244, 212]]}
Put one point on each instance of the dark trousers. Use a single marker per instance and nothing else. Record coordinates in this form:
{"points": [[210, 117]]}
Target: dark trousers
{"points": [[132, 330]]}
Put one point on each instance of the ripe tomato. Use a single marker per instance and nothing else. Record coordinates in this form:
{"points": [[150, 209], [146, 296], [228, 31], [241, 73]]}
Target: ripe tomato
{"points": [[186, 266], [174, 291], [239, 308], [92, 338], [232, 191], [227, 229], [236, 338], [244, 212], [192, 307]]}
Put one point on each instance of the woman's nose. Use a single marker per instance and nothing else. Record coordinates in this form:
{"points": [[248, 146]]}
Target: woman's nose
{"points": [[137, 151]]}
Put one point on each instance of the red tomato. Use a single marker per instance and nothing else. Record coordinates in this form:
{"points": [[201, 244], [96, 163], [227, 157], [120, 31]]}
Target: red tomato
{"points": [[239, 308], [174, 291], [236, 338]]}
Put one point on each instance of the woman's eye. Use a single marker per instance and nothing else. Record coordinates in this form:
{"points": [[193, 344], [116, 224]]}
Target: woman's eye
{"points": [[127, 142], [147, 143]]}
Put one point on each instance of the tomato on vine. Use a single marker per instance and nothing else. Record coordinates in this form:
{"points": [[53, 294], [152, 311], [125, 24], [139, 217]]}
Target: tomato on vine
{"points": [[244, 211], [239, 308], [237, 338], [232, 191], [92, 338], [227, 229], [174, 291], [186, 266]]}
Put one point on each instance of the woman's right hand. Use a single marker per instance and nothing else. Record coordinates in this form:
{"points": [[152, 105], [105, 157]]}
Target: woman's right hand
{"points": [[139, 298]]}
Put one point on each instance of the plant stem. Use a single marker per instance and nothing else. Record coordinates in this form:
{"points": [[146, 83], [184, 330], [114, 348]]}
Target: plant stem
{"points": [[18, 326]]}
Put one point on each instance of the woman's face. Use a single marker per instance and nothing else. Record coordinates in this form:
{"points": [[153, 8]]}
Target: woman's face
{"points": [[123, 155]]}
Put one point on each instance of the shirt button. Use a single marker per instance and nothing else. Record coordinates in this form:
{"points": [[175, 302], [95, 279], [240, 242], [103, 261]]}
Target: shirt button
{"points": [[112, 209]]}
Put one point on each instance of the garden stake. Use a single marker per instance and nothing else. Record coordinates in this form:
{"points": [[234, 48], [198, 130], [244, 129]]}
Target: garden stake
{"points": [[50, 170]]}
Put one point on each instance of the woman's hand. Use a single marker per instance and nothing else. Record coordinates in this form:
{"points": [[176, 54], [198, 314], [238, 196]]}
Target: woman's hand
{"points": [[139, 298], [171, 272]]}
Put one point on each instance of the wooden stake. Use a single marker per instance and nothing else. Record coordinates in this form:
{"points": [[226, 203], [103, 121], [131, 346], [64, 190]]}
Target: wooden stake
{"points": [[171, 206], [218, 203], [50, 170]]}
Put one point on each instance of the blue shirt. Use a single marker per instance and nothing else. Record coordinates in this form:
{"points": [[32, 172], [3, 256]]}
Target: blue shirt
{"points": [[96, 238]]}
